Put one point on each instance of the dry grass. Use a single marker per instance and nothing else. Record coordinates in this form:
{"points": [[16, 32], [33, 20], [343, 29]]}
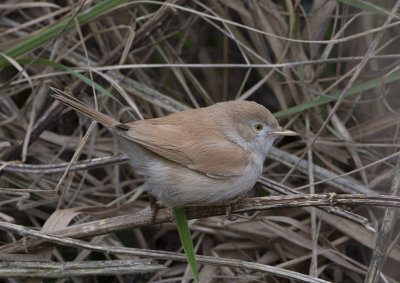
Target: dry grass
{"points": [[337, 63]]}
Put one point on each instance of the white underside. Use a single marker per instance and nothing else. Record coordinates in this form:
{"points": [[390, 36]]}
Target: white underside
{"points": [[177, 186]]}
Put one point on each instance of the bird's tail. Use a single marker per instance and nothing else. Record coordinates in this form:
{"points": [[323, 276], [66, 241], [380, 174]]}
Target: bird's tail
{"points": [[84, 108]]}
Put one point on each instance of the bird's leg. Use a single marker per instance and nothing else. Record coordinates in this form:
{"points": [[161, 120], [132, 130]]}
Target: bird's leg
{"points": [[154, 208], [228, 209]]}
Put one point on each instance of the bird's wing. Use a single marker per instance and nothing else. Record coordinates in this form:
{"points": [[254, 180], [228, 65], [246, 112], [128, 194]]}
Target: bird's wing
{"points": [[196, 151]]}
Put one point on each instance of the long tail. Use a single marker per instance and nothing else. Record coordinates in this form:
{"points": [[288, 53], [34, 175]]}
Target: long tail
{"points": [[84, 108]]}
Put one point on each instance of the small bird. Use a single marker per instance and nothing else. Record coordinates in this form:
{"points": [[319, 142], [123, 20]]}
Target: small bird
{"points": [[195, 157]]}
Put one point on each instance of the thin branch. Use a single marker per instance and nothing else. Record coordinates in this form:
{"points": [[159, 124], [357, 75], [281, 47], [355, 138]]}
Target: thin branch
{"points": [[384, 237], [276, 271], [165, 215], [36, 269]]}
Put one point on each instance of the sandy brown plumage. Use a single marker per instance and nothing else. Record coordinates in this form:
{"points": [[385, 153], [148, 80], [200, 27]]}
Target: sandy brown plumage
{"points": [[197, 156]]}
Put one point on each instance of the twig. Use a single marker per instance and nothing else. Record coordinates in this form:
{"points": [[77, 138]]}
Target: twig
{"points": [[333, 179], [389, 220], [61, 167], [162, 15], [118, 223], [282, 189], [384, 237], [69, 269], [161, 255]]}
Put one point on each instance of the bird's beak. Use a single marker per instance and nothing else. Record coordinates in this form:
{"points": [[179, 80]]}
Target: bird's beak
{"points": [[285, 133]]}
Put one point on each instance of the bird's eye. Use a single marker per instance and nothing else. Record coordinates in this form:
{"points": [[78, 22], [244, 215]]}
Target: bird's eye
{"points": [[258, 127]]}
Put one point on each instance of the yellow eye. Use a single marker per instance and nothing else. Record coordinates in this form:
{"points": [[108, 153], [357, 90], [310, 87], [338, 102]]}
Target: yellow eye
{"points": [[258, 127]]}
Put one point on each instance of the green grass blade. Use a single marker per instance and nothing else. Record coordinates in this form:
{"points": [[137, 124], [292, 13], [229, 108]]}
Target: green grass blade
{"points": [[364, 5], [186, 240], [65, 25], [323, 100]]}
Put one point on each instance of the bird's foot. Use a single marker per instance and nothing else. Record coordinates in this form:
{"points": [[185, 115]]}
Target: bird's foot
{"points": [[228, 209], [154, 208]]}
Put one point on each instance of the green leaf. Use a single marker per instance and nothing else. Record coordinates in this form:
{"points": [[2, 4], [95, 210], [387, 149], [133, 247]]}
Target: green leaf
{"points": [[186, 240], [369, 7], [51, 32], [323, 100]]}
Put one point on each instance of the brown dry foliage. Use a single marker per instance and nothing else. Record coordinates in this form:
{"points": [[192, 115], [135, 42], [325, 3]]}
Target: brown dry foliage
{"points": [[342, 135]]}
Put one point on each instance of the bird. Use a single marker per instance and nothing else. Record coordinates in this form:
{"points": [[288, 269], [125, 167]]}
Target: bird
{"points": [[200, 156]]}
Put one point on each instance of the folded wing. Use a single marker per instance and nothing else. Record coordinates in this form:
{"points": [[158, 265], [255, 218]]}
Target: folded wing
{"points": [[212, 155]]}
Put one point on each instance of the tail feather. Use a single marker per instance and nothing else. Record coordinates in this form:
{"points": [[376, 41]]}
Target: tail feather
{"points": [[84, 108]]}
